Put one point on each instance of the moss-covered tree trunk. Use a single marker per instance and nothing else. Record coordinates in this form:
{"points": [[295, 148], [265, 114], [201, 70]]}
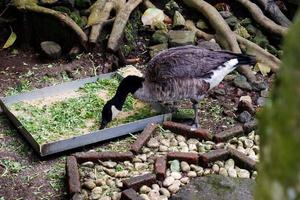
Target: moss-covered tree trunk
{"points": [[280, 128]]}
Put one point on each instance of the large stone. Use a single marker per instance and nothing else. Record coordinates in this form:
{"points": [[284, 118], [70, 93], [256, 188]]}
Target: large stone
{"points": [[241, 82], [181, 38], [159, 37], [216, 187], [157, 48], [178, 20], [51, 49]]}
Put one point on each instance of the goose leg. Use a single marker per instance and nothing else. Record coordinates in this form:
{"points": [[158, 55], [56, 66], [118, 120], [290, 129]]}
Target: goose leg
{"points": [[196, 111]]}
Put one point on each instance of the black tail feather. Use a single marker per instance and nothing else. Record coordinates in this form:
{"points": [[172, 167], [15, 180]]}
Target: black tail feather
{"points": [[245, 59]]}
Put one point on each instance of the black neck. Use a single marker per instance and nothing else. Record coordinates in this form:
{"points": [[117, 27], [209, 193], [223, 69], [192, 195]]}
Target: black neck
{"points": [[130, 84]]}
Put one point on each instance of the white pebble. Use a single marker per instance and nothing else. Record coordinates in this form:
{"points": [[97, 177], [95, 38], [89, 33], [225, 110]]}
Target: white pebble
{"points": [[168, 181], [144, 196], [176, 175], [185, 180], [180, 138], [153, 195], [163, 148], [223, 171], [164, 192], [173, 188], [192, 174], [155, 187], [229, 164], [232, 172], [242, 173], [215, 168], [185, 167], [145, 189]]}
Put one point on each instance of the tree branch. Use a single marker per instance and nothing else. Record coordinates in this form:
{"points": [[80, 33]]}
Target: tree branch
{"points": [[224, 35], [120, 23], [261, 19]]}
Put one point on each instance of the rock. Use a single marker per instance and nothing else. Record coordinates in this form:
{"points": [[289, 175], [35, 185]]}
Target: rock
{"points": [[109, 164], [119, 183], [173, 142], [215, 168], [116, 196], [51, 49], [145, 196], [241, 82], [145, 189], [185, 180], [201, 24], [156, 49], [191, 174], [155, 187], [232, 172], [122, 174], [175, 166], [163, 197], [178, 20], [244, 117], [216, 187], [176, 175], [168, 181], [153, 143], [248, 143], [153, 195], [206, 171], [159, 37], [264, 93], [105, 198], [165, 142], [232, 21], [229, 164], [88, 164], [139, 166], [219, 163], [245, 105], [184, 149], [110, 183], [171, 7], [96, 193], [163, 148], [192, 147], [225, 14], [164, 192], [261, 101], [196, 168], [100, 182], [192, 141], [89, 184], [185, 167], [181, 38], [223, 172], [259, 85], [173, 188], [242, 173], [180, 138]]}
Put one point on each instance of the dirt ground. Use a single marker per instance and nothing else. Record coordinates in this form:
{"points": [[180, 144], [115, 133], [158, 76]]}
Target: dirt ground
{"points": [[23, 175]]}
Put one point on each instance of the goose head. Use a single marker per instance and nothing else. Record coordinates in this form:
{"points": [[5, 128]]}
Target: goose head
{"points": [[111, 109]]}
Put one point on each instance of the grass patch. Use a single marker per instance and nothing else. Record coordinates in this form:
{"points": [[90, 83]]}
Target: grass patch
{"points": [[76, 115], [23, 86], [56, 176], [11, 166]]}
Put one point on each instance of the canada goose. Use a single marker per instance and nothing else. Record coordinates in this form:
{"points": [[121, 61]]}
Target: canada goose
{"points": [[186, 72]]}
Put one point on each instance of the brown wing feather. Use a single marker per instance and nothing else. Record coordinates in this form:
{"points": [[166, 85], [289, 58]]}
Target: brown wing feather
{"points": [[185, 62]]}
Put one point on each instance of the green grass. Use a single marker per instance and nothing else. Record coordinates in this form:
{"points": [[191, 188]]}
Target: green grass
{"points": [[68, 118], [11, 166], [56, 176], [23, 86]]}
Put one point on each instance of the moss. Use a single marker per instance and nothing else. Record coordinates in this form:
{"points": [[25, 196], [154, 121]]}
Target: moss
{"points": [[279, 128], [131, 32], [78, 19]]}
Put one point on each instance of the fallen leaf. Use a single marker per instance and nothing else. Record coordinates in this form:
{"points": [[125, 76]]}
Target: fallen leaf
{"points": [[152, 16], [263, 68], [10, 41]]}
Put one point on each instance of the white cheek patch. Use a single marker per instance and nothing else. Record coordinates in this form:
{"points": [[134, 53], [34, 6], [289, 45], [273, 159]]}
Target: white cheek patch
{"points": [[114, 112]]}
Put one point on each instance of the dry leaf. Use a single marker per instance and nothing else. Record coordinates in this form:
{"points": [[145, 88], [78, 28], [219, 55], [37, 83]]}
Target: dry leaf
{"points": [[10, 41], [263, 68]]}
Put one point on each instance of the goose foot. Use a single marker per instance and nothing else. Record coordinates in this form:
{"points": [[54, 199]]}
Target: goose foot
{"points": [[196, 111]]}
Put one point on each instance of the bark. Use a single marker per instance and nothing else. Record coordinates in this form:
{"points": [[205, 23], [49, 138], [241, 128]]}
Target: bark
{"points": [[101, 12], [224, 35], [274, 12], [32, 6], [120, 23], [261, 19], [201, 34], [252, 48], [261, 55]]}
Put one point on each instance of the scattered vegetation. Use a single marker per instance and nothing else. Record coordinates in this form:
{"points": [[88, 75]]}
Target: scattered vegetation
{"points": [[56, 176], [11, 167], [75, 115], [23, 86]]}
